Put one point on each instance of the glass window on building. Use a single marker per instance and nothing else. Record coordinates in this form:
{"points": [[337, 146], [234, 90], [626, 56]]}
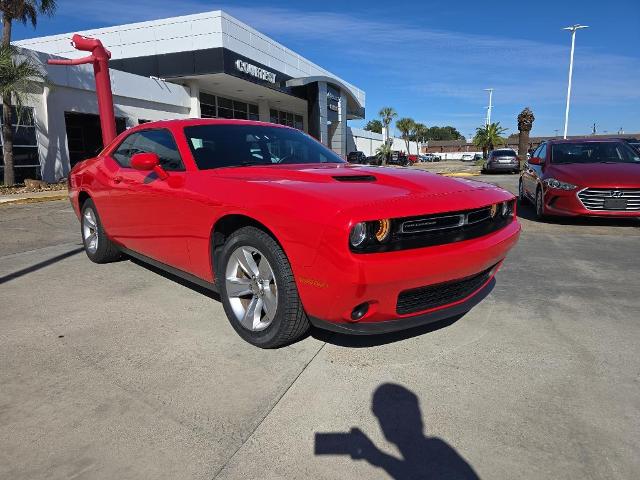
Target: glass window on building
{"points": [[253, 112], [286, 118], [208, 106], [25, 147], [225, 108]]}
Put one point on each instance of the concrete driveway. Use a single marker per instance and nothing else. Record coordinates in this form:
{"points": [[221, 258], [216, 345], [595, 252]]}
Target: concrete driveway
{"points": [[118, 371]]}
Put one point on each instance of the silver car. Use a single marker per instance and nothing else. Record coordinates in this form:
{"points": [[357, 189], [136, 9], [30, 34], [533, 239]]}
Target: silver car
{"points": [[502, 160]]}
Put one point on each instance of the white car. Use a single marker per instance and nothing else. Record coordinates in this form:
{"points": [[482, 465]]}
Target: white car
{"points": [[467, 157]]}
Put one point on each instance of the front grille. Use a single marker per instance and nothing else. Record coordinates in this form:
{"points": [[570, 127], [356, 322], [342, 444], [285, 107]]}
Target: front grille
{"points": [[433, 296], [608, 199]]}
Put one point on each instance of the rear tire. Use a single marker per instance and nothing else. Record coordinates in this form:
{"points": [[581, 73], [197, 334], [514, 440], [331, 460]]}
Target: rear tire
{"points": [[97, 245], [258, 290]]}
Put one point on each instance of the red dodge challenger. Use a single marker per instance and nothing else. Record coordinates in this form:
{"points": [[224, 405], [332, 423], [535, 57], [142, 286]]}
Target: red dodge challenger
{"points": [[287, 232]]}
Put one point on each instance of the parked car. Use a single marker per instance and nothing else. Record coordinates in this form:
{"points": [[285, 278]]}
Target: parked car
{"points": [[398, 158], [430, 157], [413, 158], [287, 232], [477, 157], [590, 177], [467, 157], [502, 160], [357, 157]]}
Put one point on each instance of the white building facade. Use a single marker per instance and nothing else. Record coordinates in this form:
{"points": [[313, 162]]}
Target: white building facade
{"points": [[205, 65]]}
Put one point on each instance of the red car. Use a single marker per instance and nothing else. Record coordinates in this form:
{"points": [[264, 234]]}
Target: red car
{"points": [[590, 177], [287, 232]]}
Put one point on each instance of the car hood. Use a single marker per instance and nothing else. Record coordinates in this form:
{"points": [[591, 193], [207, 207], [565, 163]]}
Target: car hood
{"points": [[374, 188], [597, 174]]}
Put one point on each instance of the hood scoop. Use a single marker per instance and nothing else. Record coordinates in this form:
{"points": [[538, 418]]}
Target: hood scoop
{"points": [[354, 178]]}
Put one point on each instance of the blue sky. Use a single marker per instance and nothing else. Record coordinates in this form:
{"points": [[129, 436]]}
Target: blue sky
{"points": [[432, 60]]}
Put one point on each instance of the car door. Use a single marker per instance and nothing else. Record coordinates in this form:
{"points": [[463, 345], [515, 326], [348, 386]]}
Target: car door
{"points": [[533, 173], [150, 210]]}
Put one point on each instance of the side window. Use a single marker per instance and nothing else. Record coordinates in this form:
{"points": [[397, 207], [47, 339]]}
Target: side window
{"points": [[543, 151], [125, 151], [160, 142]]}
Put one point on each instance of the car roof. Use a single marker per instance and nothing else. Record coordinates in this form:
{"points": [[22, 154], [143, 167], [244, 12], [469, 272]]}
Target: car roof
{"points": [[584, 140], [190, 122]]}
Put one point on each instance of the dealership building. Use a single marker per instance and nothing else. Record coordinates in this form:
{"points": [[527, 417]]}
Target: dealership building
{"points": [[207, 65]]}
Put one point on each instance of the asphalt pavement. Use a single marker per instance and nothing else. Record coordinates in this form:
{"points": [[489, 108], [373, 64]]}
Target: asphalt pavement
{"points": [[119, 371]]}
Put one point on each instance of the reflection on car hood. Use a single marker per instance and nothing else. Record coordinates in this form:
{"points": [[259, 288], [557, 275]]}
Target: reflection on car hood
{"points": [[373, 188], [598, 174]]}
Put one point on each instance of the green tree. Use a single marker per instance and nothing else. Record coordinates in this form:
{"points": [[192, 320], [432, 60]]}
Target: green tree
{"points": [[387, 114], [374, 126], [444, 133], [406, 127], [488, 136], [525, 124], [419, 135], [18, 73], [383, 152]]}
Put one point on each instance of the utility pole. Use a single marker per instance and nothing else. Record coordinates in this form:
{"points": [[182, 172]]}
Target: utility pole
{"points": [[573, 30], [488, 120]]}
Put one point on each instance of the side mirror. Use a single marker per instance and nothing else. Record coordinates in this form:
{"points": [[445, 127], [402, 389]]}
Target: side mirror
{"points": [[148, 162], [535, 161]]}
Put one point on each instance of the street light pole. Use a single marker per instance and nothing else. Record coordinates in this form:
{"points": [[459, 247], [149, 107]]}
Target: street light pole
{"points": [[488, 120], [573, 30]]}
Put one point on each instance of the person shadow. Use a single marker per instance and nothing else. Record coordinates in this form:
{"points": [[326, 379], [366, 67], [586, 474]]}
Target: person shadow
{"points": [[422, 457]]}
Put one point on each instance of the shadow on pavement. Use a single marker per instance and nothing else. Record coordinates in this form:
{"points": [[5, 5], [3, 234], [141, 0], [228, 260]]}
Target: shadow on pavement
{"points": [[38, 266], [422, 457]]}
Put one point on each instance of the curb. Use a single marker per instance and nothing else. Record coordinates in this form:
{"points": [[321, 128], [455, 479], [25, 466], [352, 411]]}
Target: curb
{"points": [[23, 200]]}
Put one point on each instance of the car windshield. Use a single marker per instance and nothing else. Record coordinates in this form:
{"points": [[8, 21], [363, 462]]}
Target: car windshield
{"points": [[504, 153], [216, 146], [593, 152]]}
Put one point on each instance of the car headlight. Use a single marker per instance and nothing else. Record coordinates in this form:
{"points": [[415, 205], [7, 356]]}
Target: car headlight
{"points": [[358, 234], [557, 184], [364, 234], [507, 208]]}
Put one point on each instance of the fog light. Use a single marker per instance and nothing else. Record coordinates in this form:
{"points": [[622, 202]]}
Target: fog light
{"points": [[359, 311]]}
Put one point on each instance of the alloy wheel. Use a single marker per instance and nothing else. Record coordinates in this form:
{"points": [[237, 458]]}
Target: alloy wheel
{"points": [[90, 230], [251, 288]]}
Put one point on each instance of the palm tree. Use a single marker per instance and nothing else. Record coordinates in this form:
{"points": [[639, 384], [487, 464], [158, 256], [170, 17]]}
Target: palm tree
{"points": [[488, 136], [420, 132], [525, 124], [17, 78], [406, 126], [387, 115], [383, 152], [24, 11]]}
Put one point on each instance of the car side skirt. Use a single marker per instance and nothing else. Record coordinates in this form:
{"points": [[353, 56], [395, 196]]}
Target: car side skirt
{"points": [[372, 328], [171, 270]]}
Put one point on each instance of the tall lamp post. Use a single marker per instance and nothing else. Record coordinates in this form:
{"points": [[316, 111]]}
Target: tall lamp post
{"points": [[573, 30], [488, 120]]}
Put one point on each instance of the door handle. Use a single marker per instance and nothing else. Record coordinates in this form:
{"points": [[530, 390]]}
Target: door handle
{"points": [[117, 179]]}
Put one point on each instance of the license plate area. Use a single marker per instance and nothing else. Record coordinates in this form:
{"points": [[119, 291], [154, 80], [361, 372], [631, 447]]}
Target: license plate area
{"points": [[615, 203]]}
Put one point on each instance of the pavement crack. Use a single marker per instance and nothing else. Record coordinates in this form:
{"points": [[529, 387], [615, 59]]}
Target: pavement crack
{"points": [[275, 404]]}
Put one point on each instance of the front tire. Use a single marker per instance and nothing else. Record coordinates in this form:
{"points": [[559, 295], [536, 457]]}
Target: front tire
{"points": [[258, 291], [522, 197], [97, 245], [540, 215]]}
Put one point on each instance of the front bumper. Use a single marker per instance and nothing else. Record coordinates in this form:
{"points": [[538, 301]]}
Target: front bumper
{"points": [[567, 204], [371, 328], [330, 290]]}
